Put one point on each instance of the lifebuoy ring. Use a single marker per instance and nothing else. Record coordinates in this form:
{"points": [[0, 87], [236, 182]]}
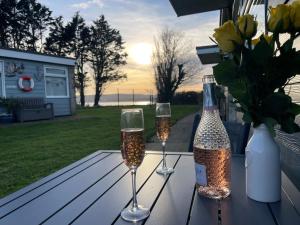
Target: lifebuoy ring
{"points": [[21, 86]]}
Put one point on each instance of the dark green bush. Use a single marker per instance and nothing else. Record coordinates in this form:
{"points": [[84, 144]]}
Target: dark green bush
{"points": [[8, 104], [187, 98]]}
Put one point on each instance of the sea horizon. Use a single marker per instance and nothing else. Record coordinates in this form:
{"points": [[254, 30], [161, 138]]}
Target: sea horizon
{"points": [[121, 100]]}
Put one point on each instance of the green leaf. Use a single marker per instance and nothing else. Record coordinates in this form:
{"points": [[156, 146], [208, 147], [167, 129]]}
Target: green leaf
{"points": [[288, 45], [262, 52], [288, 124], [295, 109], [295, 62], [270, 123], [278, 71], [225, 72], [247, 117], [283, 67], [276, 104], [238, 90]]}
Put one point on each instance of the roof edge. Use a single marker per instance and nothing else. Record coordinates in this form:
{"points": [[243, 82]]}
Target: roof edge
{"points": [[36, 56]]}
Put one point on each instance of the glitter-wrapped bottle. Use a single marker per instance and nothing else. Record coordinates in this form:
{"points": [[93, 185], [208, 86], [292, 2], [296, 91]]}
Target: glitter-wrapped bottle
{"points": [[212, 148]]}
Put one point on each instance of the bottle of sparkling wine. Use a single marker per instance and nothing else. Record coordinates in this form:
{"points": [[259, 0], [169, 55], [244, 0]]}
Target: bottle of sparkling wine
{"points": [[212, 148]]}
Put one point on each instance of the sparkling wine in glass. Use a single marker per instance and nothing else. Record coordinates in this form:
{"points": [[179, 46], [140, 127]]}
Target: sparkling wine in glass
{"points": [[133, 151], [163, 127]]}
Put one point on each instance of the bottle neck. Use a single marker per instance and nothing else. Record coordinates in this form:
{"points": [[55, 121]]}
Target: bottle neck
{"points": [[209, 97]]}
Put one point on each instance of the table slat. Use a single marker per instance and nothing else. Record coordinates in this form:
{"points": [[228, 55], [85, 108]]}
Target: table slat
{"points": [[106, 209], [43, 181], [24, 199], [284, 211], [74, 208], [150, 191], [174, 202], [204, 211], [238, 209], [291, 190], [39, 209]]}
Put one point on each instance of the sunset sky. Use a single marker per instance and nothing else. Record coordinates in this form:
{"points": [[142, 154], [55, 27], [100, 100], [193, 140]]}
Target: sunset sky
{"points": [[138, 22]]}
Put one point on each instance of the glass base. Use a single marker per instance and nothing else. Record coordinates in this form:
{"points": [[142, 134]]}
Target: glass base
{"points": [[135, 214], [165, 170], [213, 192]]}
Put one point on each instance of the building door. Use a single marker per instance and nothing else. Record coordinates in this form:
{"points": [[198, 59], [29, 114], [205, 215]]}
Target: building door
{"points": [[2, 80]]}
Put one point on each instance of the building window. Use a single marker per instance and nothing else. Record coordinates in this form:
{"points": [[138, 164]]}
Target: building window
{"points": [[55, 71], [56, 82]]}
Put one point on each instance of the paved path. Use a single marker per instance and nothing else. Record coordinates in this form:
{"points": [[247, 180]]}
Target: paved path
{"points": [[179, 139]]}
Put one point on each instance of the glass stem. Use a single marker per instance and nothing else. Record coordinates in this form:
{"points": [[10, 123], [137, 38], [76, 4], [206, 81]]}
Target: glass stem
{"points": [[164, 154], [134, 199]]}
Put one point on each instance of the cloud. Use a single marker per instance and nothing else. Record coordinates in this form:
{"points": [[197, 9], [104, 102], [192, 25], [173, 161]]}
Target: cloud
{"points": [[88, 4], [138, 22]]}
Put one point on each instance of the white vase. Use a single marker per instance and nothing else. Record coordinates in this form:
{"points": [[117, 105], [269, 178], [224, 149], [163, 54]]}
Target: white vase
{"points": [[263, 173]]}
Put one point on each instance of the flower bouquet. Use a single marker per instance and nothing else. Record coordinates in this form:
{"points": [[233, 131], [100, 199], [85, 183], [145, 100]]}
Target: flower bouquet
{"points": [[257, 71]]}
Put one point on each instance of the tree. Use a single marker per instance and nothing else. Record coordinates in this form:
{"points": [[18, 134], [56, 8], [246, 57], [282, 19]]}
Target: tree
{"points": [[79, 48], [4, 23], [12, 31], [23, 23], [106, 55], [170, 62], [57, 41], [18, 25], [37, 17]]}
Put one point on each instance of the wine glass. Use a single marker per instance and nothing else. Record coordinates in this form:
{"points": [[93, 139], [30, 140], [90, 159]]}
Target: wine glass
{"points": [[163, 127], [133, 151]]}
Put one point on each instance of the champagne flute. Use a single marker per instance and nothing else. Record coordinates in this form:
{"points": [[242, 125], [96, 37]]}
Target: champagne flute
{"points": [[133, 151], [163, 127]]}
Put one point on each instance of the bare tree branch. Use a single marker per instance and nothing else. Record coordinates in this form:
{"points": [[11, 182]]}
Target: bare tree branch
{"points": [[172, 63]]}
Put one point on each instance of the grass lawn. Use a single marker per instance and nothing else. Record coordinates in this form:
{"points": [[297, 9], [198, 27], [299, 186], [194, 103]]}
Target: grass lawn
{"points": [[31, 151]]}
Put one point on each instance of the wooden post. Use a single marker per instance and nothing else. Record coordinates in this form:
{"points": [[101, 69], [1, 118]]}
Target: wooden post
{"points": [[149, 96], [133, 96], [152, 98], [118, 97]]}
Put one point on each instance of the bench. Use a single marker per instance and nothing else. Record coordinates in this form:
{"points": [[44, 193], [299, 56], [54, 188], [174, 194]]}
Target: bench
{"points": [[30, 109]]}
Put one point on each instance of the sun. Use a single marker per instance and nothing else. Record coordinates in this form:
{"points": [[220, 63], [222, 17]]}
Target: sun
{"points": [[141, 53]]}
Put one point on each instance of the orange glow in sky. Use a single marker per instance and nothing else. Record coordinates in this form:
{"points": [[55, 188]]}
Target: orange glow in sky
{"points": [[138, 22]]}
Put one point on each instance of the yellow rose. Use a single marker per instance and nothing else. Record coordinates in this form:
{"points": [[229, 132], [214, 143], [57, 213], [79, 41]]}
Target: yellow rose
{"points": [[266, 37], [247, 26], [279, 20], [295, 15], [227, 37]]}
